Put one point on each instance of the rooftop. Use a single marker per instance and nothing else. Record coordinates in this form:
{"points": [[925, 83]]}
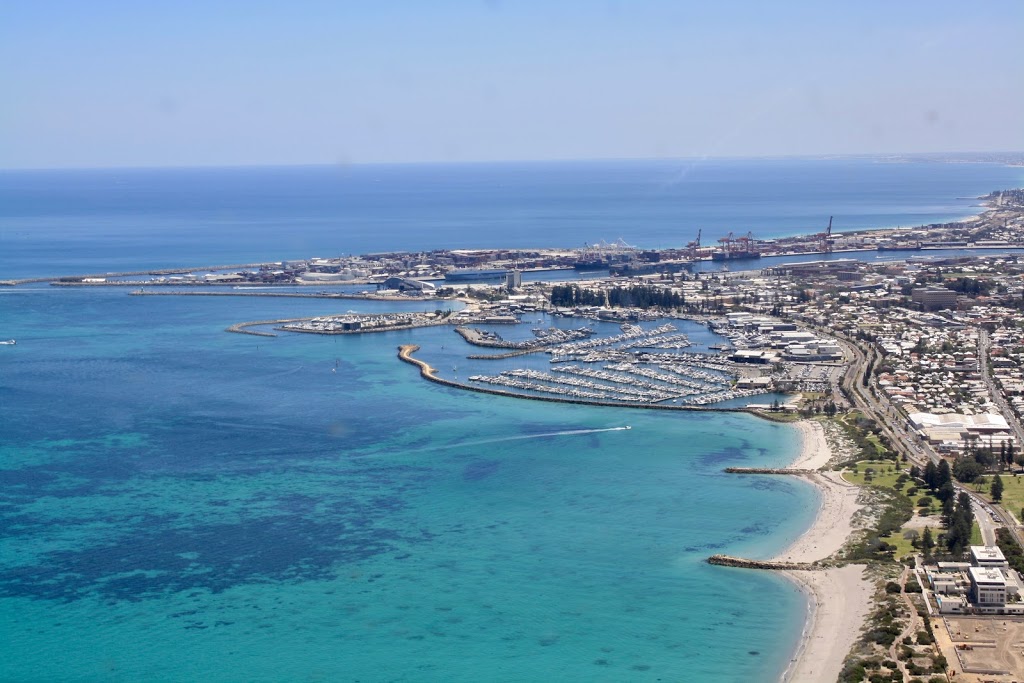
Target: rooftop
{"points": [[987, 553], [987, 575]]}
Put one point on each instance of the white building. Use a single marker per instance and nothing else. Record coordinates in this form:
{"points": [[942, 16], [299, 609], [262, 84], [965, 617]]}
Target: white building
{"points": [[988, 556], [988, 587]]}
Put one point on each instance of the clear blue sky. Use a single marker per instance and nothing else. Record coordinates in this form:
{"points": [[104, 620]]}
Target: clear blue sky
{"points": [[100, 83]]}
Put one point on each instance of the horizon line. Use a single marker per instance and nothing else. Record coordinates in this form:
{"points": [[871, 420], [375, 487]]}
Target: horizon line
{"points": [[481, 162]]}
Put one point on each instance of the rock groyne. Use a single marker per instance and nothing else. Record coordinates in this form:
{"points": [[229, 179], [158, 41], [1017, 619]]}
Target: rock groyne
{"points": [[767, 470], [744, 563]]}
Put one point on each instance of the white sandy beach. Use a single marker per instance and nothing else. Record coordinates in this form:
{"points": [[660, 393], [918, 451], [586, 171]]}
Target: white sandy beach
{"points": [[832, 525], [839, 604], [839, 597]]}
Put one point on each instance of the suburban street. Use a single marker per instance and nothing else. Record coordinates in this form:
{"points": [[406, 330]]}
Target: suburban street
{"points": [[917, 451]]}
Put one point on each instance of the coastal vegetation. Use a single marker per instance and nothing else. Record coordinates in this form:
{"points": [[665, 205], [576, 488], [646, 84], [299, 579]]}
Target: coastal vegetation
{"points": [[866, 436], [890, 507], [635, 296], [1011, 551], [898, 641]]}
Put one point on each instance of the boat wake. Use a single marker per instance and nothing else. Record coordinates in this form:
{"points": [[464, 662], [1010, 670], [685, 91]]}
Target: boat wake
{"points": [[524, 437]]}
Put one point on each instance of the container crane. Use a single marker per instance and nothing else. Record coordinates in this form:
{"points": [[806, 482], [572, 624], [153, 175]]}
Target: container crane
{"points": [[693, 248], [825, 244]]}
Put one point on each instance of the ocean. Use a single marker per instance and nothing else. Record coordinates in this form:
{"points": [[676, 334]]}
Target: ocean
{"points": [[77, 221], [180, 503]]}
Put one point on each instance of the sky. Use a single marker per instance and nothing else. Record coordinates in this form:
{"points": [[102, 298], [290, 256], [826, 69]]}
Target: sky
{"points": [[101, 83]]}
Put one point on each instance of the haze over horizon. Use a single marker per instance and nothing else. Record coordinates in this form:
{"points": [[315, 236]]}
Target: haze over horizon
{"points": [[113, 84]]}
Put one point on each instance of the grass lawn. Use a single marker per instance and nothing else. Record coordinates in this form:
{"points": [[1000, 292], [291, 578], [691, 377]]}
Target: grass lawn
{"points": [[904, 546], [780, 416], [1013, 492], [884, 475]]}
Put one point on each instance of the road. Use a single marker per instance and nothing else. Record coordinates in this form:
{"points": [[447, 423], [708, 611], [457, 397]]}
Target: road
{"points": [[985, 522], [917, 451], [997, 396]]}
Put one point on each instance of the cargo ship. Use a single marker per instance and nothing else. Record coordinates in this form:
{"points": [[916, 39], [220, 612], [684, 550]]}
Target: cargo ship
{"points": [[591, 264], [734, 254], [638, 268], [898, 246], [466, 274]]}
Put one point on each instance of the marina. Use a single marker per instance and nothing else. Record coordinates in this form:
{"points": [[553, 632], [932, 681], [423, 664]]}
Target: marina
{"points": [[639, 366]]}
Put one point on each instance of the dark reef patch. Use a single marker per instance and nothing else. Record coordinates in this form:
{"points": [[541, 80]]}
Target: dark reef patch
{"points": [[480, 469], [159, 554]]}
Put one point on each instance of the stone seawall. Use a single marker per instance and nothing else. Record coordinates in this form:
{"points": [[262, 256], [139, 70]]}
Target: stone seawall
{"points": [[269, 295], [767, 470], [503, 356], [240, 328], [429, 373], [364, 330]]}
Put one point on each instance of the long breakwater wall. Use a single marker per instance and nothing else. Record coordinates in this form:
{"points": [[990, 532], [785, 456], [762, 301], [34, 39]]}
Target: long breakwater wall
{"points": [[430, 373], [292, 295], [130, 273], [767, 470], [503, 356], [240, 328]]}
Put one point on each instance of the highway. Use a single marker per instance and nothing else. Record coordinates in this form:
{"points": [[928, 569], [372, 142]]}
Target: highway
{"points": [[997, 396], [917, 451]]}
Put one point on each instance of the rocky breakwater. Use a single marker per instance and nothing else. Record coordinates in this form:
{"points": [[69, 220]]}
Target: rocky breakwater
{"points": [[744, 563], [768, 470]]}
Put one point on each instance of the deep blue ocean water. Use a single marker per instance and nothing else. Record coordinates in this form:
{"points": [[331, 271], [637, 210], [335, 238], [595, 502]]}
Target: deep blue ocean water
{"points": [[69, 222], [179, 503]]}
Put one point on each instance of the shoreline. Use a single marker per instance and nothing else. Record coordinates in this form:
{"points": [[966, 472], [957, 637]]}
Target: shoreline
{"points": [[837, 597]]}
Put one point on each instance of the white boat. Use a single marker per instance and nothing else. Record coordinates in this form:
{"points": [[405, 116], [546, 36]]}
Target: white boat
{"points": [[9, 342]]}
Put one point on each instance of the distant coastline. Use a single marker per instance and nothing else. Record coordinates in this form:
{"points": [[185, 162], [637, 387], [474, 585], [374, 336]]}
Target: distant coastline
{"points": [[74, 222]]}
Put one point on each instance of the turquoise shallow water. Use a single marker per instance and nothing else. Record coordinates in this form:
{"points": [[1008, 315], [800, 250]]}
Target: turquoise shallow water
{"points": [[179, 503]]}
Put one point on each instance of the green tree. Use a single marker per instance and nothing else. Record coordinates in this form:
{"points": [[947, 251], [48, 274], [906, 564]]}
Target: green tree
{"points": [[997, 488], [967, 469], [947, 512], [927, 541], [931, 476], [946, 493], [959, 535], [944, 475]]}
